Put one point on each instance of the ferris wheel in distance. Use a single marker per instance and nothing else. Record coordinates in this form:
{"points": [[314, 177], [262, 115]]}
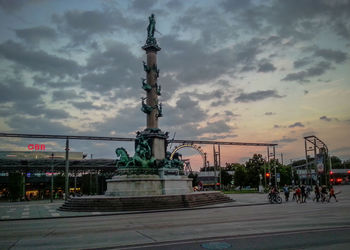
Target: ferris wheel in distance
{"points": [[186, 161]]}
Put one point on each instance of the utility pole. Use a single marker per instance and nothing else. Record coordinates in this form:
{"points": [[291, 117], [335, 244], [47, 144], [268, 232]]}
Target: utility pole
{"points": [[265, 174], [269, 164], [274, 163], [220, 166], [315, 165], [307, 160], [330, 169], [215, 164], [96, 192], [67, 171], [75, 182], [51, 189], [282, 159]]}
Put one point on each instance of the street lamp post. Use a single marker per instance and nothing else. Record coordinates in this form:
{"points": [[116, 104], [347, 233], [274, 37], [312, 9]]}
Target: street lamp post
{"points": [[292, 173], [67, 171], [51, 189], [274, 164], [265, 175]]}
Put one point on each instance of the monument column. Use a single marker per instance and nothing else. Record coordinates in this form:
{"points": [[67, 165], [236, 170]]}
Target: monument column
{"points": [[150, 105], [152, 94]]}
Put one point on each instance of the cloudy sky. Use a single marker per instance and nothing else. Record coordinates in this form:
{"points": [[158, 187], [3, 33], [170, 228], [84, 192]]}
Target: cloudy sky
{"points": [[248, 71]]}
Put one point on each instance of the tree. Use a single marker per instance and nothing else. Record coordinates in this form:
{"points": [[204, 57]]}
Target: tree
{"points": [[254, 168], [257, 161], [195, 179], [346, 164], [240, 177], [226, 178], [336, 162], [59, 182], [16, 186], [233, 166], [285, 175], [88, 184]]}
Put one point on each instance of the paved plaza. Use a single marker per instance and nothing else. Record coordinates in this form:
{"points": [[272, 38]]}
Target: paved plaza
{"points": [[248, 221], [45, 209]]}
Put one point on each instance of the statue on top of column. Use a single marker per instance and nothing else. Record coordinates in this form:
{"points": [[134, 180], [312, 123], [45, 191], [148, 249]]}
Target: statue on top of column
{"points": [[151, 42], [151, 26]]}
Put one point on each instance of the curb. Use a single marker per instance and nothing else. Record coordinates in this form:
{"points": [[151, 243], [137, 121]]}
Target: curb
{"points": [[138, 212]]}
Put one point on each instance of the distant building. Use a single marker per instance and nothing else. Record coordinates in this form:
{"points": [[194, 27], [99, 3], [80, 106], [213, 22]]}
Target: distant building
{"points": [[26, 155], [211, 179]]}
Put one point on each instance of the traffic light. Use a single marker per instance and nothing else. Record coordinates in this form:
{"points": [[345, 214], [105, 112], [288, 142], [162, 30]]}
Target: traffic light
{"points": [[267, 175]]}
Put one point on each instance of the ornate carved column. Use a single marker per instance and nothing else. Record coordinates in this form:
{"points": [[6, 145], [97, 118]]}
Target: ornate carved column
{"points": [[150, 105]]}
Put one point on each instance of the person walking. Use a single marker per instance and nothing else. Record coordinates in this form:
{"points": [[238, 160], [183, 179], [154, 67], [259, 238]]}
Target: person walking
{"points": [[323, 193], [308, 192], [286, 192], [294, 198], [303, 194], [317, 193], [332, 194], [298, 194]]}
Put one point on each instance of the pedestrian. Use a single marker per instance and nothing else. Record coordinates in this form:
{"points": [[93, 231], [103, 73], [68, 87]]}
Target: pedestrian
{"points": [[323, 193], [286, 192], [308, 192], [317, 193], [332, 194], [303, 194], [298, 194], [200, 186], [294, 194]]}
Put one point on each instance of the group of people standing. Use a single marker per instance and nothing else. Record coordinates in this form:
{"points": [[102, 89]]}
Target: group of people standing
{"points": [[301, 193]]}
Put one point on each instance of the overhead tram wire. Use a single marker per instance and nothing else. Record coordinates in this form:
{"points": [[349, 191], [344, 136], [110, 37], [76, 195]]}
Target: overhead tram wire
{"points": [[106, 138], [225, 143], [73, 137]]}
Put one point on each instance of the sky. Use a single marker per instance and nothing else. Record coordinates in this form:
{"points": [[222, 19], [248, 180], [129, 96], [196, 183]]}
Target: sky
{"points": [[242, 70]]}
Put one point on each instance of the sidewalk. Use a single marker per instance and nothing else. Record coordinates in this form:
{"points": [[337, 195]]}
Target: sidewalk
{"points": [[44, 209]]}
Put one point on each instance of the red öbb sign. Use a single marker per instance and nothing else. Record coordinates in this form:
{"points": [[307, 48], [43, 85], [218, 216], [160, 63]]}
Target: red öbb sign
{"points": [[36, 146]]}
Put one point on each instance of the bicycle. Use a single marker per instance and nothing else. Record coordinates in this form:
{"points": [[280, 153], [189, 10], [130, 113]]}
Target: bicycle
{"points": [[274, 198]]}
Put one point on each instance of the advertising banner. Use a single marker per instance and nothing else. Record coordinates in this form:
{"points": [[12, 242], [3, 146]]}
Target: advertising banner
{"points": [[319, 163]]}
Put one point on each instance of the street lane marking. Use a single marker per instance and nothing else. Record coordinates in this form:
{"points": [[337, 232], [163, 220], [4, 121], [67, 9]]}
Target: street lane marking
{"points": [[5, 217], [55, 214], [228, 237], [25, 213]]}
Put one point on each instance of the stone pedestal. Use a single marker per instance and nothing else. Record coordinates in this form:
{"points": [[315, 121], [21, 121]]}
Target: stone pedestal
{"points": [[145, 185], [158, 148], [157, 141]]}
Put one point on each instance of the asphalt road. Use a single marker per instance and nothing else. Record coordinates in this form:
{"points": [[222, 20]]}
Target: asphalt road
{"points": [[286, 226], [320, 239]]}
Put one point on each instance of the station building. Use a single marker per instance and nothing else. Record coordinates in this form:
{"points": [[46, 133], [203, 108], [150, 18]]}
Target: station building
{"points": [[30, 172]]}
